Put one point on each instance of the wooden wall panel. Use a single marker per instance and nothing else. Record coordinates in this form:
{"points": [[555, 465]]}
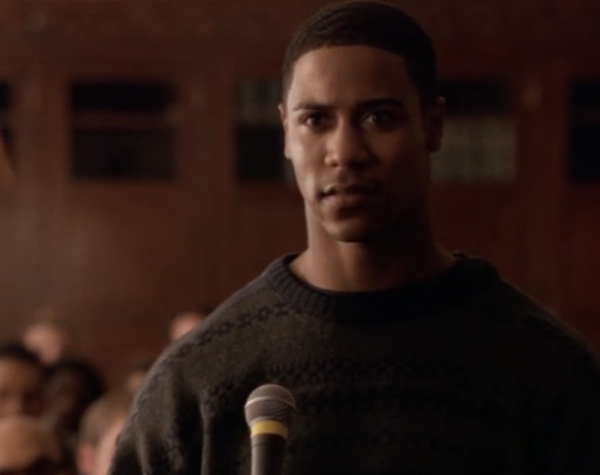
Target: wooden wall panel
{"points": [[268, 224], [582, 257], [39, 122], [10, 273], [480, 221], [541, 180], [125, 269], [124, 246]]}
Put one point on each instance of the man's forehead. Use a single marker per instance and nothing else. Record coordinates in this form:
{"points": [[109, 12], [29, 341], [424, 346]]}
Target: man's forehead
{"points": [[362, 72], [12, 365]]}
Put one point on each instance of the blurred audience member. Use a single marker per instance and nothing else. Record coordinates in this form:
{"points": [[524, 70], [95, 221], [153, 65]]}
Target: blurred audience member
{"points": [[21, 377], [136, 373], [100, 427], [183, 322], [28, 447], [48, 339], [71, 385]]}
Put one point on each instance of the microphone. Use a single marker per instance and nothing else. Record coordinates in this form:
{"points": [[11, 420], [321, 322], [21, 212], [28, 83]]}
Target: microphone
{"points": [[269, 410]]}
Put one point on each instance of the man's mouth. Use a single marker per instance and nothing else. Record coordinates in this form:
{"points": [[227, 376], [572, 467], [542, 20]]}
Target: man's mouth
{"points": [[350, 195], [349, 189]]}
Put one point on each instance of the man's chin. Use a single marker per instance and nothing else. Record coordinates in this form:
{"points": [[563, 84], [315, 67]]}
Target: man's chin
{"points": [[351, 232]]}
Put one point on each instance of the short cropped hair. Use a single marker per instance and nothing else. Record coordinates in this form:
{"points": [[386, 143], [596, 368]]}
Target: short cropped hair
{"points": [[94, 383], [369, 23], [98, 417], [17, 352]]}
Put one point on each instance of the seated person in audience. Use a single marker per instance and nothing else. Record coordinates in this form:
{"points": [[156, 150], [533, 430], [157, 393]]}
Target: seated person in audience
{"points": [[183, 322], [136, 373], [71, 385], [48, 339], [100, 427], [29, 447], [21, 377]]}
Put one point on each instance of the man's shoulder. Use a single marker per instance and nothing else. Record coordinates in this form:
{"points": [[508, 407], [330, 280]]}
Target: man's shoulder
{"points": [[527, 323], [256, 301], [511, 313], [238, 319], [218, 346]]}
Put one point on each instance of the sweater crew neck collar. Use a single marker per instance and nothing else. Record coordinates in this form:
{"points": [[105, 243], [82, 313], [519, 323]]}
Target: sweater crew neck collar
{"points": [[466, 276]]}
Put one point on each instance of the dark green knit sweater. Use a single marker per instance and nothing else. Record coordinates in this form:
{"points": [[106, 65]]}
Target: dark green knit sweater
{"points": [[459, 374]]}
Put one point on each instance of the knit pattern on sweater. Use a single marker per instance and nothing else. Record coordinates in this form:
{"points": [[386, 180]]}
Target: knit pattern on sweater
{"points": [[461, 373]]}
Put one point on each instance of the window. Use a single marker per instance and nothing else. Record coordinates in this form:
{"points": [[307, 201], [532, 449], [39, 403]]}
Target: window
{"points": [[7, 161], [479, 133], [259, 134], [123, 130], [584, 133]]}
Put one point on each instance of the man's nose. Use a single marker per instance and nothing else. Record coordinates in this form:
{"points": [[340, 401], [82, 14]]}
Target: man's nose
{"points": [[346, 146]]}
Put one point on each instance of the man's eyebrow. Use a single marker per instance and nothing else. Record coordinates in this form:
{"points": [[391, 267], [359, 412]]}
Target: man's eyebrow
{"points": [[382, 101], [312, 106], [367, 104]]}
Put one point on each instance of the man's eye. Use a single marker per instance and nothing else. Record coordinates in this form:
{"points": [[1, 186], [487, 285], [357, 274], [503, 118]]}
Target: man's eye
{"points": [[380, 118], [314, 120]]}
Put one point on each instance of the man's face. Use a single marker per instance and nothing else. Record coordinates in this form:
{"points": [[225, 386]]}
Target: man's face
{"points": [[20, 388], [27, 447], [106, 446], [183, 324], [47, 341], [95, 458], [359, 140]]}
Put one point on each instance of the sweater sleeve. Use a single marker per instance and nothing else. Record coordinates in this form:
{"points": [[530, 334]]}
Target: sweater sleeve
{"points": [[575, 423], [163, 434]]}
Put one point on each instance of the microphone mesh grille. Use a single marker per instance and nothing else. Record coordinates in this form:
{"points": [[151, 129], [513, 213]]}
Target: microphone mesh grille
{"points": [[272, 402]]}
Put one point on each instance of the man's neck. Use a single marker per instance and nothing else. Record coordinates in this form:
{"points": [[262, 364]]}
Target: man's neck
{"points": [[355, 267]]}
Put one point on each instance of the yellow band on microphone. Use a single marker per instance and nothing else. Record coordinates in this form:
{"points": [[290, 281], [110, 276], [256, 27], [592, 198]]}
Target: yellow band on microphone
{"points": [[269, 427]]}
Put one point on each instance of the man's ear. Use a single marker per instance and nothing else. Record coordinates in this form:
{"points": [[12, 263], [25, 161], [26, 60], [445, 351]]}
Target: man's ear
{"points": [[284, 122], [434, 118]]}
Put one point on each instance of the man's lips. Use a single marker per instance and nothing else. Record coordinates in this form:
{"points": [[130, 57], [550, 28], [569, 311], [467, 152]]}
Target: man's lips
{"points": [[349, 195], [349, 189]]}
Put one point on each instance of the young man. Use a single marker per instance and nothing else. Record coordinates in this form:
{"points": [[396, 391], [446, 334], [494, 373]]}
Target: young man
{"points": [[402, 357], [28, 447], [70, 386], [21, 379], [184, 322], [48, 339], [101, 425]]}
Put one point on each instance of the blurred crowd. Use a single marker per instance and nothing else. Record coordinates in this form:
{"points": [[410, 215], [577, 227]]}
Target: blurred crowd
{"points": [[57, 414]]}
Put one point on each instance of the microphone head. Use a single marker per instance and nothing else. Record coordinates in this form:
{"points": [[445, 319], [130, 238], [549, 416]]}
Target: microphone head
{"points": [[270, 402]]}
